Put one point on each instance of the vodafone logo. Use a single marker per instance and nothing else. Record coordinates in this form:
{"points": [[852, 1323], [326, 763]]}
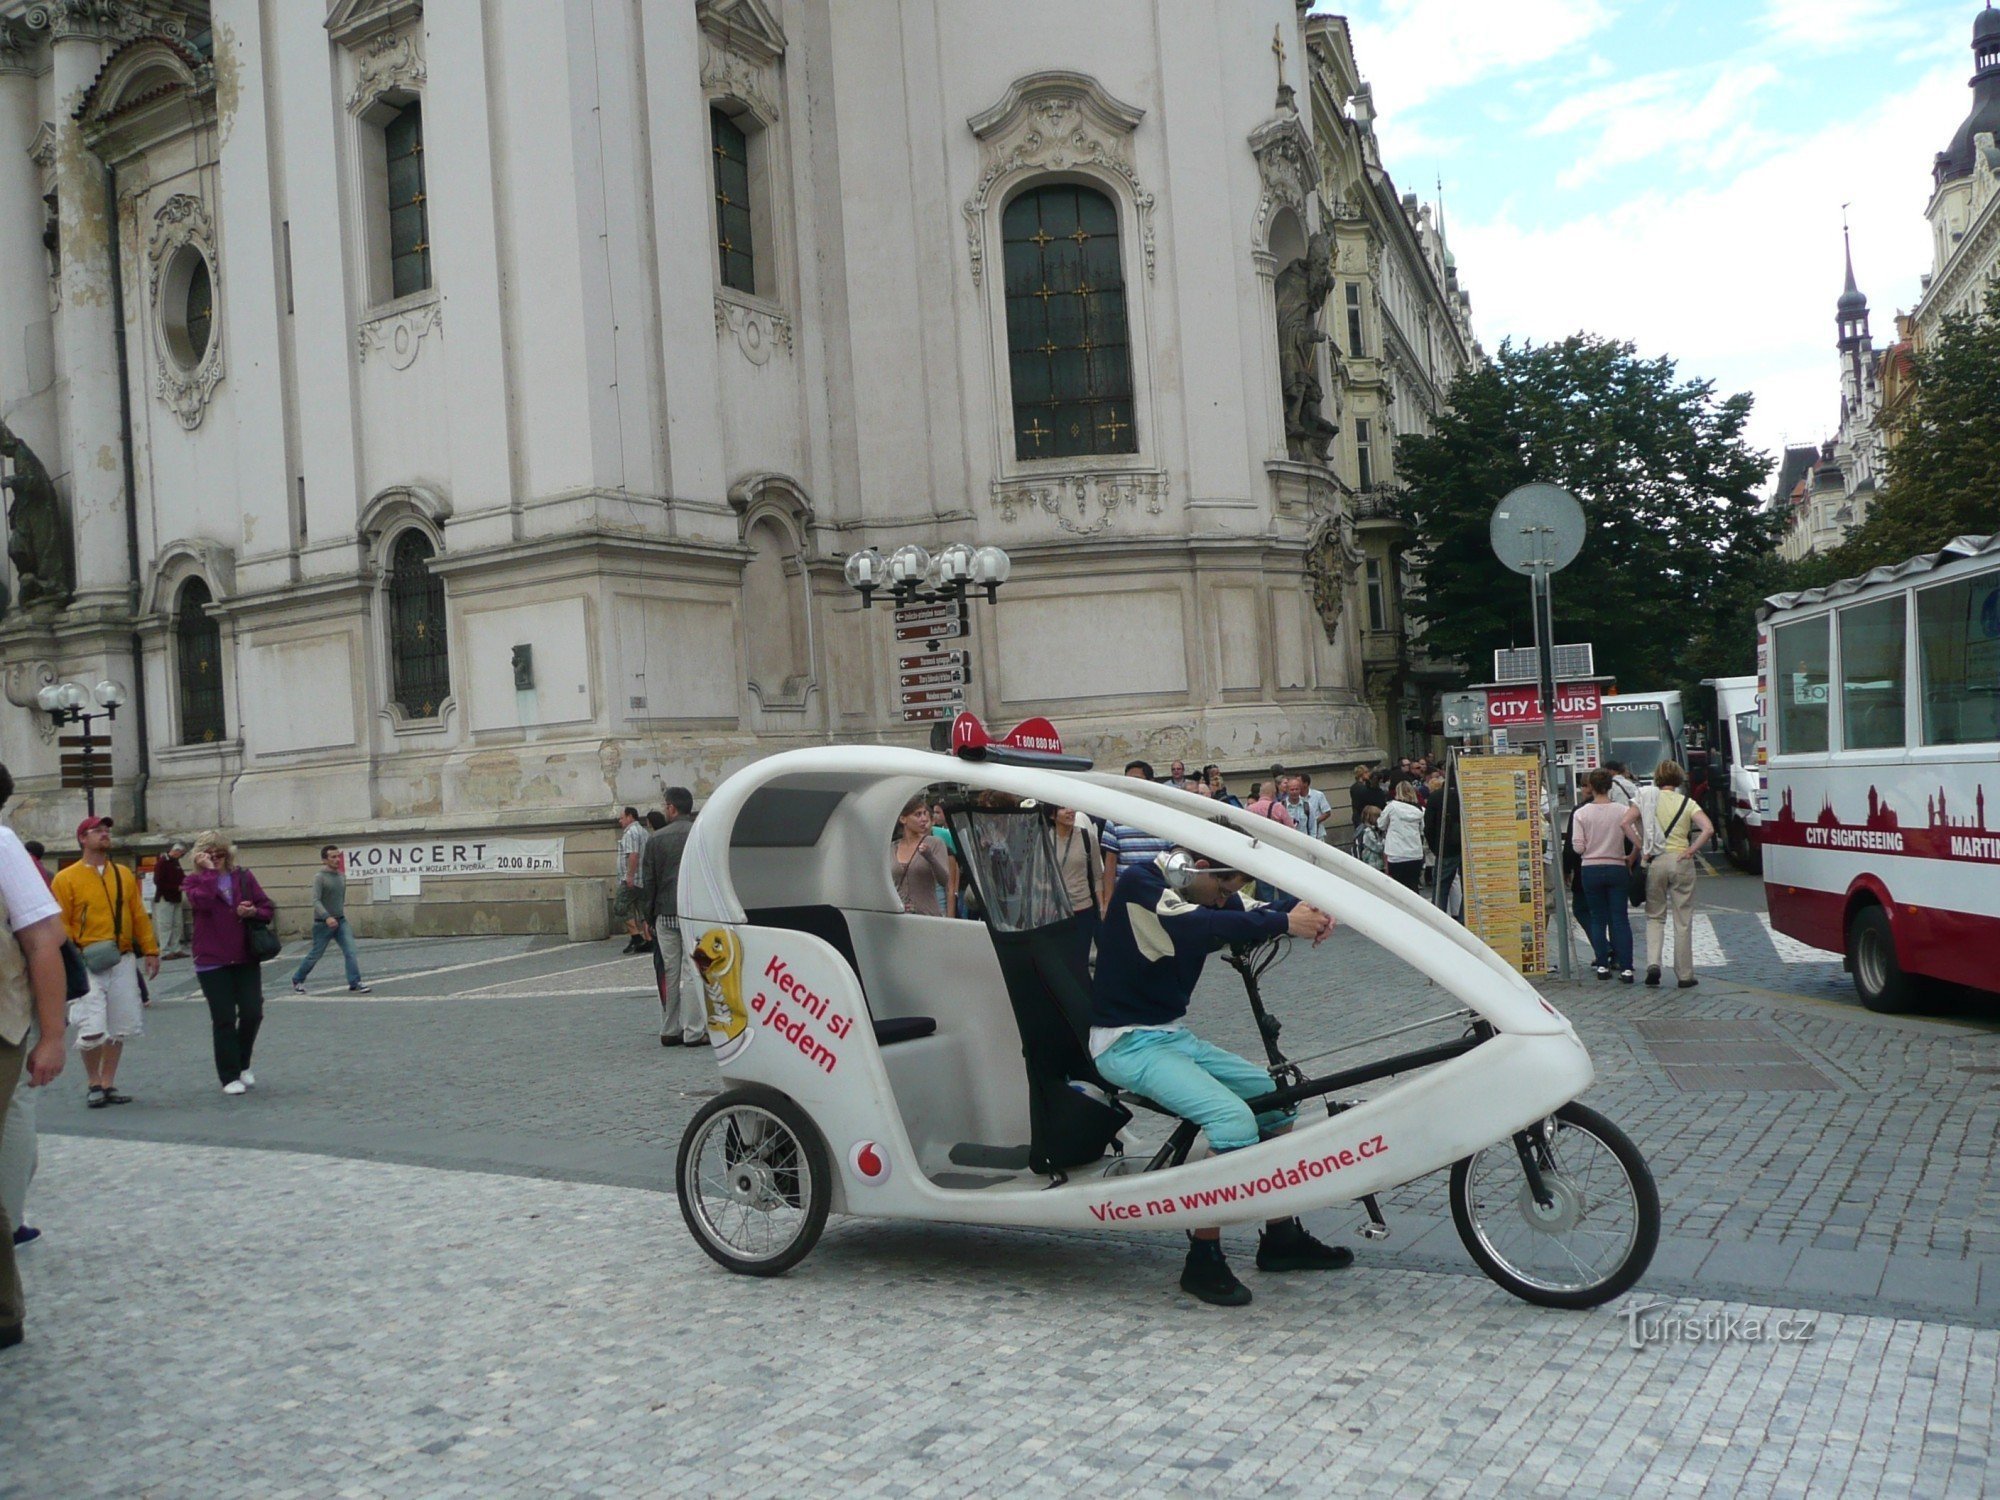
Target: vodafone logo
{"points": [[868, 1163]]}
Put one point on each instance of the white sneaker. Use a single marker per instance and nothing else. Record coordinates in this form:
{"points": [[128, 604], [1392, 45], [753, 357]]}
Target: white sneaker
{"points": [[247, 1078], [235, 1086]]}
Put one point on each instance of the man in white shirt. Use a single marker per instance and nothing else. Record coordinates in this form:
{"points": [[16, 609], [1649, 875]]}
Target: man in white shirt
{"points": [[31, 999], [1319, 812], [632, 833], [1624, 790]]}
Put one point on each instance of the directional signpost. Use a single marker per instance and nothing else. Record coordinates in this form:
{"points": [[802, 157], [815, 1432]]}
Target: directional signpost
{"points": [[930, 677], [86, 765]]}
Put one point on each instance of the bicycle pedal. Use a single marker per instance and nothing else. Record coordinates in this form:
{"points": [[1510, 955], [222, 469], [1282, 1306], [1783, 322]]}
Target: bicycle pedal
{"points": [[1373, 1231]]}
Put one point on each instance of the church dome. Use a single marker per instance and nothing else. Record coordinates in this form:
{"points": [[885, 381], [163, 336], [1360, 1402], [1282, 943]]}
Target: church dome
{"points": [[1853, 302], [1955, 161]]}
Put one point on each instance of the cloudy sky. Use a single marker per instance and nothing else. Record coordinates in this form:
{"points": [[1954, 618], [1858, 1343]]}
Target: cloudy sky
{"points": [[1672, 171]]}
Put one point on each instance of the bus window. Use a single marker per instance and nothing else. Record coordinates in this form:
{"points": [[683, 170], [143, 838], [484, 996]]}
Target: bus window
{"points": [[1958, 645], [1798, 682], [1871, 675], [1749, 729]]}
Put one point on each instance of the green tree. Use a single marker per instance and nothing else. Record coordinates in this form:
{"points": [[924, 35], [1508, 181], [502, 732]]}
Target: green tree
{"points": [[1943, 477], [1677, 540]]}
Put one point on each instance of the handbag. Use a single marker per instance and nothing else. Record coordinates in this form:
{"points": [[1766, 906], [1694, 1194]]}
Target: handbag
{"points": [[1635, 877], [76, 974], [102, 956]]}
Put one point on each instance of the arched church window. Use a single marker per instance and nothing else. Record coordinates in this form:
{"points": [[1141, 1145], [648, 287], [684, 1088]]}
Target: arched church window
{"points": [[198, 665], [1067, 340], [420, 664], [735, 253]]}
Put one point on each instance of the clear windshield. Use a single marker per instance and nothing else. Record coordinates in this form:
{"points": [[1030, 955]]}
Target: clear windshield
{"points": [[1749, 731], [1009, 853]]}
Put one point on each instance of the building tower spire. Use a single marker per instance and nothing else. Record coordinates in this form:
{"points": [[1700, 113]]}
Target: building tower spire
{"points": [[1851, 315]]}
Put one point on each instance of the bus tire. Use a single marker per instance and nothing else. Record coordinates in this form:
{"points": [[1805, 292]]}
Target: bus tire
{"points": [[1871, 951]]}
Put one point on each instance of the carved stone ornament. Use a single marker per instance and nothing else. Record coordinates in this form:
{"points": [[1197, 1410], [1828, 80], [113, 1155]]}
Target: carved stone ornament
{"points": [[727, 74], [1288, 169], [39, 543], [1054, 122], [1082, 504], [1333, 558], [400, 335], [748, 28], [390, 62], [183, 222], [758, 330], [100, 20], [17, 48]]}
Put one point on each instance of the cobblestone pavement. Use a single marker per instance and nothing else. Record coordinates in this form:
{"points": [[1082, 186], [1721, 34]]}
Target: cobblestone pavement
{"points": [[277, 1325]]}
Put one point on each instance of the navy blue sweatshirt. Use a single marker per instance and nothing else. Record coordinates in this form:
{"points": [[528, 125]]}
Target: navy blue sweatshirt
{"points": [[1153, 943]]}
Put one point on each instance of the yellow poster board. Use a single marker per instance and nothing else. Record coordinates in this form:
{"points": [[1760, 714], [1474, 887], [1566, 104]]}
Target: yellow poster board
{"points": [[1502, 840]]}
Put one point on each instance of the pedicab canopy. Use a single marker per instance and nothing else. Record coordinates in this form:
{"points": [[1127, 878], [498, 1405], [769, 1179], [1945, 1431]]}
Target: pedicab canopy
{"points": [[810, 829]]}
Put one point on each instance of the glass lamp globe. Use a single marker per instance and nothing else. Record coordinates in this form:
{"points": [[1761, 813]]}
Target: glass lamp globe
{"points": [[865, 570], [109, 694], [908, 564], [955, 564], [73, 695], [990, 567], [50, 697]]}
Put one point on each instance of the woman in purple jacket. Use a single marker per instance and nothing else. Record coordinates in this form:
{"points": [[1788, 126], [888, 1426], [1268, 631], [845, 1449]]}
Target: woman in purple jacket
{"points": [[221, 897]]}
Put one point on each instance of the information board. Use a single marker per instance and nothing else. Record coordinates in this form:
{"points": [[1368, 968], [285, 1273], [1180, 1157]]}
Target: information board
{"points": [[1506, 881]]}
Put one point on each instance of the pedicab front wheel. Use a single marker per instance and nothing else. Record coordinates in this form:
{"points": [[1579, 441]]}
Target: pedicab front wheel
{"points": [[754, 1181], [1586, 1237]]}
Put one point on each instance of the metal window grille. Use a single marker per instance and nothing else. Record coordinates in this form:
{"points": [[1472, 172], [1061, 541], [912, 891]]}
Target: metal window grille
{"points": [[1067, 341], [198, 665], [409, 217], [736, 257], [419, 660]]}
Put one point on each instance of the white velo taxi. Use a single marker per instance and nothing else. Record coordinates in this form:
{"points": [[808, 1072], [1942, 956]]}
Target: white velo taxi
{"points": [[889, 1065]]}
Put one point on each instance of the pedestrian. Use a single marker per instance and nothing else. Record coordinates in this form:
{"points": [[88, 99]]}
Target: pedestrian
{"points": [[1368, 838], [330, 921], [683, 1009], [1217, 788], [1402, 825], [655, 821], [1124, 845], [1624, 790], [1296, 811], [38, 853], [222, 899], [1177, 775], [941, 831], [1363, 792], [169, 916], [1669, 816], [1081, 861], [1319, 812], [1607, 840], [31, 1044], [625, 905], [918, 863], [104, 917], [1441, 834]]}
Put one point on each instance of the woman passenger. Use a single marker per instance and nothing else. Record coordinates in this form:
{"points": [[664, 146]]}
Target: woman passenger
{"points": [[1676, 830], [1607, 839]]}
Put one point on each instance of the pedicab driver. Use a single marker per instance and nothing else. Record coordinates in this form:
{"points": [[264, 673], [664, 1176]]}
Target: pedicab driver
{"points": [[1165, 918]]}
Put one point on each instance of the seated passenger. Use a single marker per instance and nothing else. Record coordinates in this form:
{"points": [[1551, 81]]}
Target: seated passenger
{"points": [[1165, 918]]}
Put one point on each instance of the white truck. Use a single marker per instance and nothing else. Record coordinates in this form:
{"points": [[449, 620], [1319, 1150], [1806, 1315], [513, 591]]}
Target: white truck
{"points": [[1735, 780]]}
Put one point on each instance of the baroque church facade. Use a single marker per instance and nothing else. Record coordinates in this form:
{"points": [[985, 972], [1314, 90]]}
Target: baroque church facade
{"points": [[452, 419]]}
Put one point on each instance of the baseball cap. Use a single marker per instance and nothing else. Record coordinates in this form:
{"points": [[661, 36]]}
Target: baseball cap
{"points": [[89, 823]]}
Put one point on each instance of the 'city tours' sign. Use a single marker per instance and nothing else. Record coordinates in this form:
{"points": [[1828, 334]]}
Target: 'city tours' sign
{"points": [[456, 856], [1521, 707]]}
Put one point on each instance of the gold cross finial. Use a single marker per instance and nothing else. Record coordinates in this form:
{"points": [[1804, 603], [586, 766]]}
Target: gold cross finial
{"points": [[1278, 51]]}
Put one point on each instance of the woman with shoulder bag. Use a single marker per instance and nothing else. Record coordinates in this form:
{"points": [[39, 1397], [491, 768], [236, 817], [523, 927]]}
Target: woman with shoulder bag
{"points": [[232, 922], [1676, 830]]}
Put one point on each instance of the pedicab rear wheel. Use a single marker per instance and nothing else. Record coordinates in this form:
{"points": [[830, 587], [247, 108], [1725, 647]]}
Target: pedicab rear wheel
{"points": [[1590, 1241], [754, 1180]]}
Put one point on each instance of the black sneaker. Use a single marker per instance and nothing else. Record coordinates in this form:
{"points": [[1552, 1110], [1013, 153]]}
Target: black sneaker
{"points": [[1603, 971], [26, 1235], [1287, 1247], [96, 1099], [1624, 976], [1208, 1277], [1653, 975], [10, 1335], [1688, 984], [112, 1096]]}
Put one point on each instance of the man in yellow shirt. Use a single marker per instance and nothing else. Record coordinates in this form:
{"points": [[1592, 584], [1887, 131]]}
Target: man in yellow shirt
{"points": [[104, 916]]}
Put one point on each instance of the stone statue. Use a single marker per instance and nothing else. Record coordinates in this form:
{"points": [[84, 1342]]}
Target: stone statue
{"points": [[1333, 557], [38, 541], [1302, 289]]}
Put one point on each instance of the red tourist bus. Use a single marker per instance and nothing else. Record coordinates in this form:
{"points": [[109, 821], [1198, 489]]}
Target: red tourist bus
{"points": [[1881, 713]]}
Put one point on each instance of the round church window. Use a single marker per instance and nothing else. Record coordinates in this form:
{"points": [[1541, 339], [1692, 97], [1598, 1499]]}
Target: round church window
{"points": [[187, 306]]}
